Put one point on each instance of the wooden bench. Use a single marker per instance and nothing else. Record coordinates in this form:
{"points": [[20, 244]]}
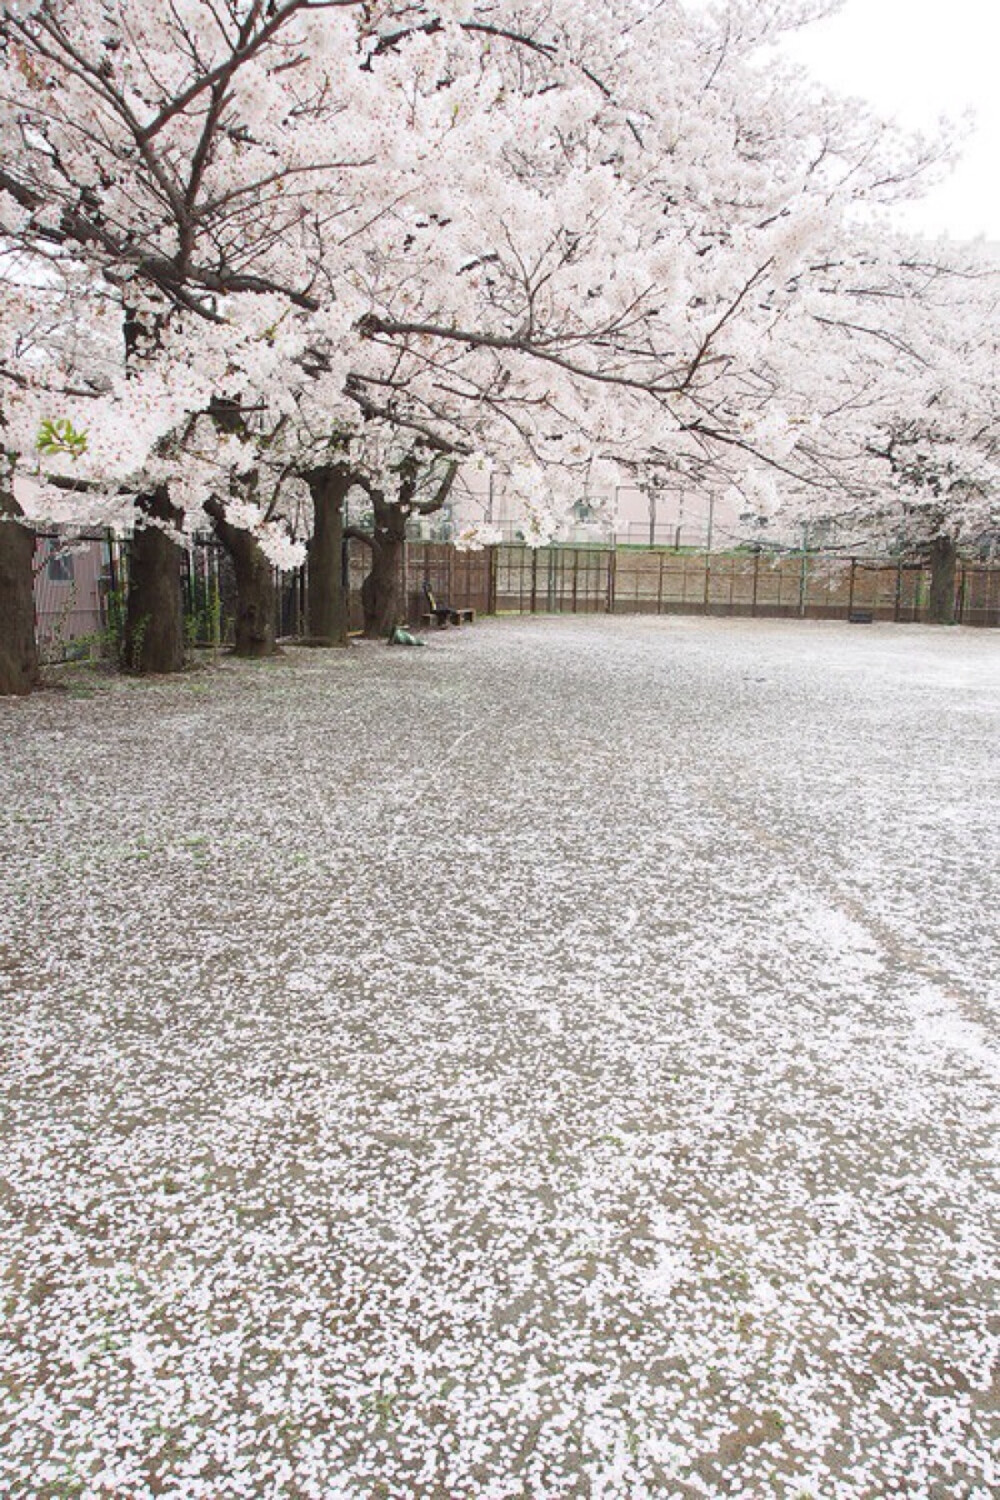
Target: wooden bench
{"points": [[443, 615], [455, 617]]}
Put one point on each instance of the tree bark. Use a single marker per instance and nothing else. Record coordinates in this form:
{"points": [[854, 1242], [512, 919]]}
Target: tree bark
{"points": [[19, 670], [256, 600], [380, 590], [153, 638], [380, 600], [944, 565], [326, 604]]}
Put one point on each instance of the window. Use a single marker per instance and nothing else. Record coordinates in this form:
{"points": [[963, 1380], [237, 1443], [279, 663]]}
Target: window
{"points": [[59, 568]]}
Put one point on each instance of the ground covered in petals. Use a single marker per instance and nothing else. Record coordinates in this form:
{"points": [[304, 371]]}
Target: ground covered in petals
{"points": [[558, 1062]]}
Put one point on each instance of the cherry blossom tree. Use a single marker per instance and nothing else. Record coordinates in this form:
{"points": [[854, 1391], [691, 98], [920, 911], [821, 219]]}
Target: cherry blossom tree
{"points": [[498, 227], [936, 439], [902, 424]]}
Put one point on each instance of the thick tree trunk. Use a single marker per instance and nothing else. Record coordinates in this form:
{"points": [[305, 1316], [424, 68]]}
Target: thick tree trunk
{"points": [[380, 590], [944, 565], [326, 609], [153, 638], [153, 634], [383, 608], [256, 600], [18, 645]]}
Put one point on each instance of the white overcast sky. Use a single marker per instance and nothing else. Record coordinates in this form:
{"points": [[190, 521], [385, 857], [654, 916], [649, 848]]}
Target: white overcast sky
{"points": [[919, 60]]}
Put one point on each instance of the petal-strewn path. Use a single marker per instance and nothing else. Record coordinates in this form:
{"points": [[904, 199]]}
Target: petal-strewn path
{"points": [[559, 1062]]}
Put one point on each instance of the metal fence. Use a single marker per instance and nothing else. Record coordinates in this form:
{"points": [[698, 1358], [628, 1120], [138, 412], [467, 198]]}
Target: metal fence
{"points": [[80, 587], [81, 583], [642, 580]]}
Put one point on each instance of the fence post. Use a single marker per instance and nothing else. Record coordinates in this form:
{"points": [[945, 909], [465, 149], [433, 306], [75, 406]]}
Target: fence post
{"points": [[113, 602], [534, 580], [492, 562], [960, 602], [850, 593], [218, 623], [659, 586], [612, 570], [756, 576]]}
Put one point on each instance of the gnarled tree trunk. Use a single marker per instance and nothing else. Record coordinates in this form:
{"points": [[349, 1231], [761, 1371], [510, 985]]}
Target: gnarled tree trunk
{"points": [[19, 670], [256, 599], [326, 606], [944, 566], [380, 590], [153, 638], [383, 608]]}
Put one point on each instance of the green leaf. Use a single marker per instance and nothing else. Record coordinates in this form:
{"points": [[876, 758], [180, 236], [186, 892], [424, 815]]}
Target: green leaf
{"points": [[58, 435]]}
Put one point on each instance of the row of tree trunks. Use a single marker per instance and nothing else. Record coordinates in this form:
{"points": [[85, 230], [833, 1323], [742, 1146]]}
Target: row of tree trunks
{"points": [[19, 670], [153, 634]]}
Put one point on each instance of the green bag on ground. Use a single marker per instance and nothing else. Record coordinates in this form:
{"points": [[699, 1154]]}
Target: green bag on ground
{"points": [[400, 636]]}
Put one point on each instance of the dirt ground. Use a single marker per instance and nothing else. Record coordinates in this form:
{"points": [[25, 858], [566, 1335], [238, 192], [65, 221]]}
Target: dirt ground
{"points": [[560, 1062]]}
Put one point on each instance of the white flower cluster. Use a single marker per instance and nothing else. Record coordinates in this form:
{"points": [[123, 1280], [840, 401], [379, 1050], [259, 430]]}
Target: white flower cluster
{"points": [[530, 230]]}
